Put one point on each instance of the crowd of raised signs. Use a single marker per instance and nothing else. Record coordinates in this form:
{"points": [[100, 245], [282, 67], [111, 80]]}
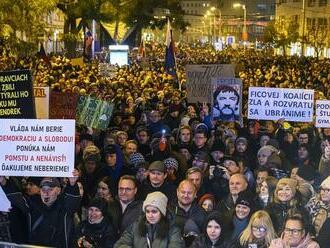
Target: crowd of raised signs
{"points": [[163, 174]]}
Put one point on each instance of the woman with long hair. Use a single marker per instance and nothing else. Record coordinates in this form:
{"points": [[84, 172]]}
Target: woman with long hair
{"points": [[284, 202], [258, 234], [319, 205], [153, 229], [266, 191], [212, 236]]}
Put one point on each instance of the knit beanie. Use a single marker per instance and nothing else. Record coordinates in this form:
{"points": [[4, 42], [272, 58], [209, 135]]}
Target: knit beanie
{"points": [[267, 148], [171, 163], [245, 198], [135, 159], [100, 204], [326, 183], [156, 199], [241, 140]]}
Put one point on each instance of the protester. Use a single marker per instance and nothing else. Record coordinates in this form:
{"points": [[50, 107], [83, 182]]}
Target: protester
{"points": [[295, 234], [153, 229]]}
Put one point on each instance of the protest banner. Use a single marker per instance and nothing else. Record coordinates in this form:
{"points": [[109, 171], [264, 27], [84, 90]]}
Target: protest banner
{"points": [[37, 148], [227, 99], [93, 112], [41, 101], [63, 105], [322, 113], [16, 99], [107, 70], [280, 103], [78, 61], [199, 85]]}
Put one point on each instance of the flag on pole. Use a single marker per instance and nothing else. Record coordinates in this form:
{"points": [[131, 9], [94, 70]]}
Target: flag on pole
{"points": [[170, 63]]}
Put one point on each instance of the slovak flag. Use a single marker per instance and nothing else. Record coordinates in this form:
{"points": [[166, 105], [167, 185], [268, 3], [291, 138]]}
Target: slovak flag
{"points": [[170, 63]]}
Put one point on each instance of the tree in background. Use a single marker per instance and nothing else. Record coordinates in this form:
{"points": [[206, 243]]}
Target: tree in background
{"points": [[318, 37], [22, 23], [281, 33]]}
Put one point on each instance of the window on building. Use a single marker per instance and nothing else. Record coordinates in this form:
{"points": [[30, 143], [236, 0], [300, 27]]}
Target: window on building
{"points": [[323, 23], [295, 18], [296, 1], [311, 3], [261, 6], [323, 3]]}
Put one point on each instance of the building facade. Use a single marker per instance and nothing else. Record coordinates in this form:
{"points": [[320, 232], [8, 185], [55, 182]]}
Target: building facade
{"points": [[313, 17], [214, 19]]}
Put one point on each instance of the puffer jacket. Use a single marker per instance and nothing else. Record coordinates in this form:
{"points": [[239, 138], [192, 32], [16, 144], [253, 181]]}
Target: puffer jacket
{"points": [[132, 237]]}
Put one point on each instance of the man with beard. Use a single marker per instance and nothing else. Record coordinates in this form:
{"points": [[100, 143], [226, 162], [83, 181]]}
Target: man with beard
{"points": [[225, 106]]}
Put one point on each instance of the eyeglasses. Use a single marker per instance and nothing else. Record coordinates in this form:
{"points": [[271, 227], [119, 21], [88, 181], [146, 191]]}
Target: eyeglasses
{"points": [[125, 190], [325, 190], [259, 229], [294, 232]]}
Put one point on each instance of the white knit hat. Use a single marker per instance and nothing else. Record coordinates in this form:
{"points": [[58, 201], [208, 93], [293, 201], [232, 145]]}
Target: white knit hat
{"points": [[326, 183], [156, 199]]}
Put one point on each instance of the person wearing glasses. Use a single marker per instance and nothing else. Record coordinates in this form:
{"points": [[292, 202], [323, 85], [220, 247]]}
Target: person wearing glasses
{"points": [[154, 229], [125, 209], [320, 204], [258, 234], [295, 234]]}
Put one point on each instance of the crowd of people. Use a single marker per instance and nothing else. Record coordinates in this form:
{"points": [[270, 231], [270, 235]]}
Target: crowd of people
{"points": [[164, 175]]}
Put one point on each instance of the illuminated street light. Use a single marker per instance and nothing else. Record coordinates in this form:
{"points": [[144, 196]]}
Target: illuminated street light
{"points": [[244, 33]]}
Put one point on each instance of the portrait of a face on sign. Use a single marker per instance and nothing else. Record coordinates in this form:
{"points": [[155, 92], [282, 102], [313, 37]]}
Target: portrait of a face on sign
{"points": [[226, 105]]}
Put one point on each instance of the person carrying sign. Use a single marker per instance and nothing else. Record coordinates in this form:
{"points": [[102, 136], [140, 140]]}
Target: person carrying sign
{"points": [[50, 221]]}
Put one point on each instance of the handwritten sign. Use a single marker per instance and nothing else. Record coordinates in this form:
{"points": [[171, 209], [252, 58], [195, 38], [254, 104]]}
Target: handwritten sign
{"points": [[199, 85]]}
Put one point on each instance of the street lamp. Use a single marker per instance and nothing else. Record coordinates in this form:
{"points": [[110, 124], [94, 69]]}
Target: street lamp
{"points": [[244, 33], [213, 9]]}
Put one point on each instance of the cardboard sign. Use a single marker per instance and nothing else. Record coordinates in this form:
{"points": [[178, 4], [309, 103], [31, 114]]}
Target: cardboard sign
{"points": [[227, 99], [93, 112], [41, 101], [16, 99], [322, 113], [37, 148], [63, 105], [199, 85], [280, 103]]}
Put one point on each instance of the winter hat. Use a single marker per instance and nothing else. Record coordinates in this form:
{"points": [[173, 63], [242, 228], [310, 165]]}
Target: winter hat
{"points": [[171, 163], [287, 181], [306, 172], [241, 140], [190, 228], [110, 149], [135, 159], [267, 148], [274, 161], [157, 165], [156, 199], [50, 182], [326, 183], [203, 156], [218, 146], [245, 198], [100, 204]]}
